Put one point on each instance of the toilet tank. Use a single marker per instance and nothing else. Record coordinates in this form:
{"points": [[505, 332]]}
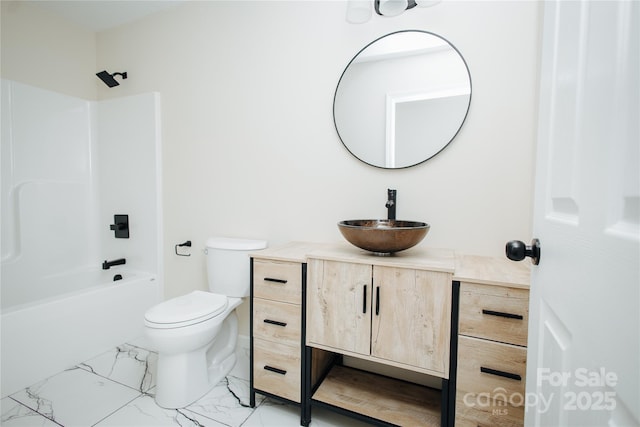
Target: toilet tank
{"points": [[228, 264]]}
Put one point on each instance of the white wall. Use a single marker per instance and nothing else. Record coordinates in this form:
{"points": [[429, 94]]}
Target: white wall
{"points": [[249, 145], [248, 138], [41, 50], [45, 51]]}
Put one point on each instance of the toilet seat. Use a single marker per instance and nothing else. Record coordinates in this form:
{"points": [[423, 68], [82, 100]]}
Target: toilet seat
{"points": [[186, 310]]}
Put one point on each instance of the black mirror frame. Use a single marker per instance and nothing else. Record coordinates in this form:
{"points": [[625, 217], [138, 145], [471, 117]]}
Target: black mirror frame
{"points": [[445, 145]]}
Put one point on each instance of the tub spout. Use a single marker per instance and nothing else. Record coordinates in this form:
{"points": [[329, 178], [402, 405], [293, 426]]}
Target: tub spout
{"points": [[108, 264]]}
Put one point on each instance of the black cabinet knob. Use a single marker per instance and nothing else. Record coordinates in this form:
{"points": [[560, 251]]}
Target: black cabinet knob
{"points": [[517, 251]]}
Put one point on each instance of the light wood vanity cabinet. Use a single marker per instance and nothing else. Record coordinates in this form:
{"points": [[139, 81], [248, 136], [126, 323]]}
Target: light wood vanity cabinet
{"points": [[392, 311], [397, 316], [339, 306], [279, 357], [460, 321], [492, 340], [276, 328]]}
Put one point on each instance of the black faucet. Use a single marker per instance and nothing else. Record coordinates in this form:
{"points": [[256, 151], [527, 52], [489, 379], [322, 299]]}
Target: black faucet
{"points": [[391, 204], [108, 264]]}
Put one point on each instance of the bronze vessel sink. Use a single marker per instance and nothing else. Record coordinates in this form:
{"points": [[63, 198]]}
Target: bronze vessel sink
{"points": [[383, 236]]}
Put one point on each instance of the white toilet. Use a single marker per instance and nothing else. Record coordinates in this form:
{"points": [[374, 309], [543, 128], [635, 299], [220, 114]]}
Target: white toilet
{"points": [[196, 334]]}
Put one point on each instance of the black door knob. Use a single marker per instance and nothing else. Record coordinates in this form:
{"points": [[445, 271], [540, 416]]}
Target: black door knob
{"points": [[517, 251]]}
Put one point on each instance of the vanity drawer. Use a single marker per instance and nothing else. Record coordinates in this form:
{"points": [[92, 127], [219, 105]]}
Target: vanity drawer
{"points": [[494, 312], [276, 369], [474, 411], [277, 280], [277, 321], [492, 367]]}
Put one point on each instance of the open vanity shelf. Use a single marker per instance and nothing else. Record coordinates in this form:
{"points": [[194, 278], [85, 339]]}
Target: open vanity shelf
{"points": [[378, 399], [319, 312]]}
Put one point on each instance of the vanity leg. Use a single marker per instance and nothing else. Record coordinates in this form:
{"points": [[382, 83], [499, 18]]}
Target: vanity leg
{"points": [[444, 404], [453, 356], [252, 391], [306, 387], [305, 422]]}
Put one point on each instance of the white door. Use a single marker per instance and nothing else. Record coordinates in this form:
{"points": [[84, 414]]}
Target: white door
{"points": [[584, 343]]}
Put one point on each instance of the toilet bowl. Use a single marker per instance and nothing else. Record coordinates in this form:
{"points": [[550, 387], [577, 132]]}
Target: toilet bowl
{"points": [[196, 334]]}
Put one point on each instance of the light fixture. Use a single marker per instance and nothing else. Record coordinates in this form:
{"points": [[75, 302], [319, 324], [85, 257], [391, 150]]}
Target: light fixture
{"points": [[396, 7], [359, 11], [393, 7]]}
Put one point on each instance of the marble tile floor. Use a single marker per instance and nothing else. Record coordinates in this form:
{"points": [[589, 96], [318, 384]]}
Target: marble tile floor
{"points": [[116, 389]]}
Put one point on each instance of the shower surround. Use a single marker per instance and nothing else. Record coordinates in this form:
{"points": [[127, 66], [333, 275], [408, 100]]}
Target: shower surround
{"points": [[68, 165]]}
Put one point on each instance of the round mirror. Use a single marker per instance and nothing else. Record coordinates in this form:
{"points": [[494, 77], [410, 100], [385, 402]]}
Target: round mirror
{"points": [[402, 99]]}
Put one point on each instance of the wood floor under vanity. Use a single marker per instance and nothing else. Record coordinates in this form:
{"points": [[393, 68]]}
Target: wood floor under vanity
{"points": [[403, 403]]}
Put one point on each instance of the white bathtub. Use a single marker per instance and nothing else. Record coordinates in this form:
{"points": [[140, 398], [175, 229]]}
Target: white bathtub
{"points": [[55, 332]]}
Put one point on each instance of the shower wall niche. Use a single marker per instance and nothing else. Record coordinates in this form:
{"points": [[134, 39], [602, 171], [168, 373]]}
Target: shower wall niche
{"points": [[68, 165]]}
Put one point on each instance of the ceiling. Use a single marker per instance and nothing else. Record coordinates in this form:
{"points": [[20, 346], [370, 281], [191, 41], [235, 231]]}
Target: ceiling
{"points": [[100, 15]]}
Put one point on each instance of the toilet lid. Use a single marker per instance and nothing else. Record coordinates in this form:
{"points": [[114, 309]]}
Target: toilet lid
{"points": [[195, 307]]}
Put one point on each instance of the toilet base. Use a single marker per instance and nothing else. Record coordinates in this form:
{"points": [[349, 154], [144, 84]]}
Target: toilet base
{"points": [[184, 378], [218, 372]]}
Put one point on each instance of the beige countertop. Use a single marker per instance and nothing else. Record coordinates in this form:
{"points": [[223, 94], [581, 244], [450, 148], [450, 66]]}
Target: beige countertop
{"points": [[492, 271], [292, 251], [464, 267]]}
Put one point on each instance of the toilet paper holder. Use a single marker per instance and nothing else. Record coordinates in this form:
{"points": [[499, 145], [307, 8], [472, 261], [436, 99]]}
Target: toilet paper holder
{"points": [[187, 243]]}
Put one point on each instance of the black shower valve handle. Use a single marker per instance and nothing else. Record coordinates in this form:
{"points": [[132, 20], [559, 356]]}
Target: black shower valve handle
{"points": [[120, 226]]}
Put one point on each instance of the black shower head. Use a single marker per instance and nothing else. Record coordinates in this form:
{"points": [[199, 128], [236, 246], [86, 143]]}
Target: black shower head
{"points": [[109, 79]]}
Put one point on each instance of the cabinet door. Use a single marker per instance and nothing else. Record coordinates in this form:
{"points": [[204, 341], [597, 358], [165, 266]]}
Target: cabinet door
{"points": [[339, 305], [412, 317]]}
